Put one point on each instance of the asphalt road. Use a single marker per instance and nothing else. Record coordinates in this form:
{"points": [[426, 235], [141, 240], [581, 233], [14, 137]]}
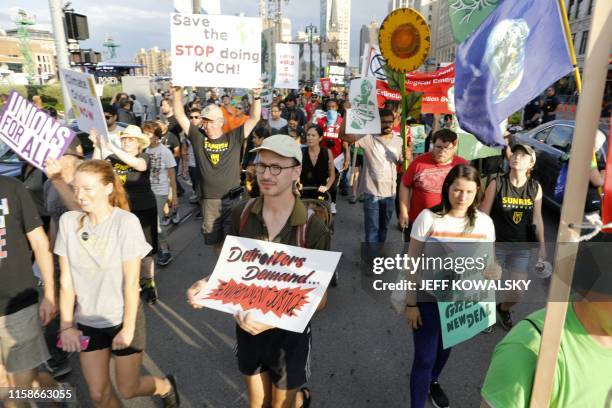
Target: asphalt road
{"points": [[362, 351]]}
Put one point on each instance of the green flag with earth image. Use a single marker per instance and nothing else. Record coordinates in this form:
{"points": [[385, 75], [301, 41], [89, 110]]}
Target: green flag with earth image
{"points": [[466, 15]]}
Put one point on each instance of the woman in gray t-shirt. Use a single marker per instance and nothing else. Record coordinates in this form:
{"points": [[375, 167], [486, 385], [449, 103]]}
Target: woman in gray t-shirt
{"points": [[100, 249]]}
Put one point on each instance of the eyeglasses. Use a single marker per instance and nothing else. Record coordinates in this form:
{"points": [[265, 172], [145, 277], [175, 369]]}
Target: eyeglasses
{"points": [[444, 148], [194, 117], [108, 116], [275, 169]]}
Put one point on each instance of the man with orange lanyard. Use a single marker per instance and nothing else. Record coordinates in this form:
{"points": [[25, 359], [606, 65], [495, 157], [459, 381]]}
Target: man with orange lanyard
{"points": [[331, 129]]}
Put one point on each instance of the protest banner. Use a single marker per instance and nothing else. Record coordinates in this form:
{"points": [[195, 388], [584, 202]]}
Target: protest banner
{"points": [[215, 50], [84, 100], [31, 132], [287, 66], [363, 118], [463, 320], [436, 103], [431, 82], [280, 285], [385, 93], [325, 86]]}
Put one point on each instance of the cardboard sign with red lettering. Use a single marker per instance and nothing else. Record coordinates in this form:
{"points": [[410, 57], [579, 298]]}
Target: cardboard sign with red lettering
{"points": [[438, 81], [287, 66], [215, 50], [325, 86], [31, 132], [280, 285]]}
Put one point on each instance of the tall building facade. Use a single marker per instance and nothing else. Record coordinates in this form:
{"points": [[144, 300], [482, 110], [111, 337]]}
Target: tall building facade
{"points": [[580, 14], [336, 25], [444, 47], [368, 35], [156, 62], [396, 4]]}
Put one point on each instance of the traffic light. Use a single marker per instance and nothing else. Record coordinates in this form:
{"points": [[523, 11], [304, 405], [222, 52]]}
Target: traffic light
{"points": [[76, 26]]}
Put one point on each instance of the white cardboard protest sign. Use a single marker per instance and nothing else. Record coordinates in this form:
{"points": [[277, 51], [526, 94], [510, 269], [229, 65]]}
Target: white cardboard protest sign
{"points": [[280, 285], [363, 118], [287, 66], [31, 132], [215, 50], [84, 100]]}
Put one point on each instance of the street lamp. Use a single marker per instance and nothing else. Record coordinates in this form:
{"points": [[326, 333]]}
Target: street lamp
{"points": [[310, 30]]}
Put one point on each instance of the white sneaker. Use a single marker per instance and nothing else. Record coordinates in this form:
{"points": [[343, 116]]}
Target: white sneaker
{"points": [[333, 208], [176, 218], [193, 199]]}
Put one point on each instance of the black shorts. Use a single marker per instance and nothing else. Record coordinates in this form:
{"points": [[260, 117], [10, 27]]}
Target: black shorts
{"points": [[100, 339], [283, 354], [148, 221]]}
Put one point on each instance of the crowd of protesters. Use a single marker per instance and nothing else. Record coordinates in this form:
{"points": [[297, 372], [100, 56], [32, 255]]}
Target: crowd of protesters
{"points": [[98, 229]]}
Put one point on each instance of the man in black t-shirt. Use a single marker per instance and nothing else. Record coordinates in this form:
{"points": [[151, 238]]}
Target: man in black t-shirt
{"points": [[532, 113], [167, 109], [549, 107], [22, 345], [291, 108], [218, 160]]}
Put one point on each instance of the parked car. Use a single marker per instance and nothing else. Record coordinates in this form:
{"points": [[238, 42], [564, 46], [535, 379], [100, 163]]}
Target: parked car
{"points": [[552, 142], [10, 165]]}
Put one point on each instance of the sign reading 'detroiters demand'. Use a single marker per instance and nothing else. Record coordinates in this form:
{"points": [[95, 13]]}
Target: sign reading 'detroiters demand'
{"points": [[31, 132], [280, 285], [215, 50]]}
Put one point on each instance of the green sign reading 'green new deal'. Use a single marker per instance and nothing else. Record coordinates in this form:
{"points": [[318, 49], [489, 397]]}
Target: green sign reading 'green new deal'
{"points": [[466, 15]]}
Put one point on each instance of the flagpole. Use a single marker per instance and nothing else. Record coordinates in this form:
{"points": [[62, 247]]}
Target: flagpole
{"points": [[570, 45], [587, 118]]}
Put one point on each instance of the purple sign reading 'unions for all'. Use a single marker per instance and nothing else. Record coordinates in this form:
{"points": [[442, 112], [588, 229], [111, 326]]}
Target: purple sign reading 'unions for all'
{"points": [[31, 132]]}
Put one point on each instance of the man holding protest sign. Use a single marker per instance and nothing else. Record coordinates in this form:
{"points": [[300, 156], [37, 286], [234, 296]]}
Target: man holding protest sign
{"points": [[218, 159], [275, 362], [382, 153]]}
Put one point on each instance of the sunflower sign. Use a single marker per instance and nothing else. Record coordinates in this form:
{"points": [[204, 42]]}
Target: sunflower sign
{"points": [[404, 40]]}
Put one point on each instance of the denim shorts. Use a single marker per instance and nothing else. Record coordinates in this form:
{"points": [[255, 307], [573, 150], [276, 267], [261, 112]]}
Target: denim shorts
{"points": [[22, 344]]}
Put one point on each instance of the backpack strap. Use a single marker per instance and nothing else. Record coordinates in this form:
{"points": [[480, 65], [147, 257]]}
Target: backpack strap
{"points": [[244, 216], [301, 230]]}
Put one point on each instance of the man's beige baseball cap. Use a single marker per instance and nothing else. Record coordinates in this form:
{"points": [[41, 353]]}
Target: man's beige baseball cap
{"points": [[212, 112], [283, 145]]}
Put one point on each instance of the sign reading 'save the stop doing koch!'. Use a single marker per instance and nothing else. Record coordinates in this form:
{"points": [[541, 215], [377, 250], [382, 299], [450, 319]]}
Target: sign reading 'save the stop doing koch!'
{"points": [[215, 50]]}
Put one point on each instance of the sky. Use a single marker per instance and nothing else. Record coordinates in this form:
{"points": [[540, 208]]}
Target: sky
{"points": [[139, 24]]}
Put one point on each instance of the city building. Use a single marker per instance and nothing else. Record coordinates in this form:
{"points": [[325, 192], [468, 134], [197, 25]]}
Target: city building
{"points": [[336, 27], [156, 62], [395, 4], [368, 35], [41, 50], [444, 47]]}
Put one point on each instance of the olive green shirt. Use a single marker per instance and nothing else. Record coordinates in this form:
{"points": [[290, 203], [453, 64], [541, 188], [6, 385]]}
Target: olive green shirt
{"points": [[317, 233]]}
